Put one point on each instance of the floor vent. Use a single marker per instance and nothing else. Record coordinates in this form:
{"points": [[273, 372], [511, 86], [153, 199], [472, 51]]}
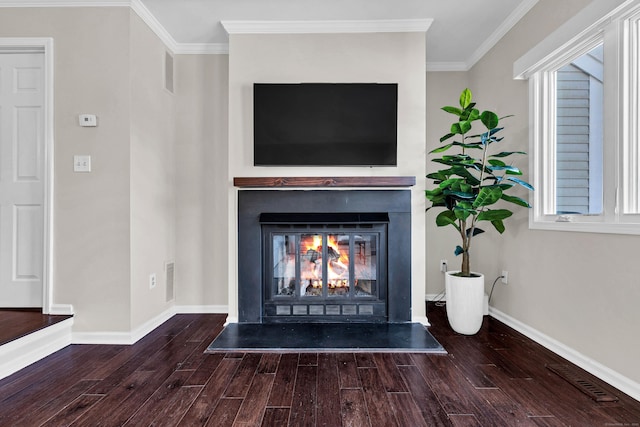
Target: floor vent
{"points": [[585, 385], [169, 274]]}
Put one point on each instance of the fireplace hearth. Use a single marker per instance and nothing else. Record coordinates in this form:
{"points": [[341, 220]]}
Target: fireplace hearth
{"points": [[324, 256]]}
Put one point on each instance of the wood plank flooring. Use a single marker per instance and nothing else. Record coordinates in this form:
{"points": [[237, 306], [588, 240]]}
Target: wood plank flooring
{"points": [[496, 378], [16, 323]]}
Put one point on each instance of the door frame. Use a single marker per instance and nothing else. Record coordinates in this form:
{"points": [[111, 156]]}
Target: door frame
{"points": [[44, 45]]}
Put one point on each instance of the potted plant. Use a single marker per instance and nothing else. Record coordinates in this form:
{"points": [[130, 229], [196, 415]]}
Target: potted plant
{"points": [[473, 180]]}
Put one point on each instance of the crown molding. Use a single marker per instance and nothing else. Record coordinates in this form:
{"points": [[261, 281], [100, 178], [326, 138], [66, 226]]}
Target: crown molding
{"points": [[65, 3], [522, 9], [141, 10], [320, 27], [201, 49]]}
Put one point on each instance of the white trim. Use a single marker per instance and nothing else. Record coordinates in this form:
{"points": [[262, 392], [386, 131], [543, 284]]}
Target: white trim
{"points": [[61, 309], [583, 25], [523, 8], [126, 338], [148, 18], [129, 338], [423, 320], [45, 44], [436, 297], [319, 27], [20, 353], [201, 49], [442, 297], [205, 309], [619, 119], [64, 3], [619, 381], [231, 319]]}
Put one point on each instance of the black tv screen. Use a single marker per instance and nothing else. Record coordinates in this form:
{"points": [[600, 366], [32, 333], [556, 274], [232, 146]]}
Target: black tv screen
{"points": [[325, 124]]}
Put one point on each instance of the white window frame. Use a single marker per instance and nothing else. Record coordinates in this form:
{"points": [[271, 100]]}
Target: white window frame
{"points": [[616, 24]]}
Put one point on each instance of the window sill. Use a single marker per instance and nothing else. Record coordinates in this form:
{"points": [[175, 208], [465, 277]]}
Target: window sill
{"points": [[585, 227]]}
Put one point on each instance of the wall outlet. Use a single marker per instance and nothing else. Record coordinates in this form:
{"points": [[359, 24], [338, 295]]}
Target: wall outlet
{"points": [[443, 265], [152, 280], [505, 277]]}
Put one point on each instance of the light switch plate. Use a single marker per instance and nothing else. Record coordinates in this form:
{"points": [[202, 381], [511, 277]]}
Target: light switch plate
{"points": [[82, 163]]}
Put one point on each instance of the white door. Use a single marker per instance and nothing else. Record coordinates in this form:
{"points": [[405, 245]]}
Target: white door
{"points": [[21, 179]]}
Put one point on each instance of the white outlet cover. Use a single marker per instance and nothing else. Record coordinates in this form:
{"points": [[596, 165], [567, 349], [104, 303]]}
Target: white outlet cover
{"points": [[81, 163]]}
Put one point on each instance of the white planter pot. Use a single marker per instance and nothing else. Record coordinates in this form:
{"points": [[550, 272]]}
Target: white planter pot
{"points": [[465, 302]]}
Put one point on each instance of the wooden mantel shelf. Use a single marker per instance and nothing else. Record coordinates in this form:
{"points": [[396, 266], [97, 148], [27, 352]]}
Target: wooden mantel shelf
{"points": [[325, 181]]}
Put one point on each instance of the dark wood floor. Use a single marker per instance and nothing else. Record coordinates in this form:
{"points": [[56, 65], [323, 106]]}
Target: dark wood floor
{"points": [[496, 378], [16, 323]]}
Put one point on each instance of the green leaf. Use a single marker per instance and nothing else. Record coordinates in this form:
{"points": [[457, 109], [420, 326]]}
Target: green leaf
{"points": [[452, 110], [458, 250], [494, 214], [498, 225], [447, 218], [517, 200], [437, 176], [447, 136], [487, 196], [511, 170], [489, 119], [507, 153], [441, 149], [461, 127], [465, 98], [462, 213]]}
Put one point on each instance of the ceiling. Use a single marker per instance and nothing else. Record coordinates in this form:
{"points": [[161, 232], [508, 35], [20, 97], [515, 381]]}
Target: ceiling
{"points": [[461, 33]]}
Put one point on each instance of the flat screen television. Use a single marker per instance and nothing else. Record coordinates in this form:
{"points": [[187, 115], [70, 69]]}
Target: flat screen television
{"points": [[325, 124]]}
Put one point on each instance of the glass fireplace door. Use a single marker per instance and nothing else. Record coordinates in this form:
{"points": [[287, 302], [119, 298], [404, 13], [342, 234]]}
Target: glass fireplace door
{"points": [[324, 273]]}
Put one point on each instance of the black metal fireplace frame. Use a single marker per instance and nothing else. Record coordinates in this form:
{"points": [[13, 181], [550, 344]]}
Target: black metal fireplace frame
{"points": [[349, 307], [252, 203]]}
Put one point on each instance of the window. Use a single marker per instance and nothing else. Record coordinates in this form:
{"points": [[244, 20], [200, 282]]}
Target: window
{"points": [[578, 134], [585, 115]]}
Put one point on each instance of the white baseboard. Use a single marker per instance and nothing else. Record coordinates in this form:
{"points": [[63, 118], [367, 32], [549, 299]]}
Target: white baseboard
{"points": [[20, 353], [123, 338], [441, 297], [128, 338], [230, 319], [421, 319], [63, 309], [601, 371]]}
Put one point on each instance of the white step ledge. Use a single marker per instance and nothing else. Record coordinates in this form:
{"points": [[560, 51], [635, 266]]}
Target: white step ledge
{"points": [[22, 352]]}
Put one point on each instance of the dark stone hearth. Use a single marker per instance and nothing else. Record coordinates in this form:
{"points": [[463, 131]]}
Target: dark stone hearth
{"points": [[334, 337]]}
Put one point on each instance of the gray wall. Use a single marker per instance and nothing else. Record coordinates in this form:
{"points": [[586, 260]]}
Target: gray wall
{"points": [[113, 226]]}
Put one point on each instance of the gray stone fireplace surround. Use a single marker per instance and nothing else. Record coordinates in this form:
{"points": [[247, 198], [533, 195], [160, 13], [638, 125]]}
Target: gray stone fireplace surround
{"points": [[396, 204]]}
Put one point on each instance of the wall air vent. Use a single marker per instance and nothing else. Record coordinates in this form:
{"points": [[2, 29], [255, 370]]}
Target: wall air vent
{"points": [[169, 276]]}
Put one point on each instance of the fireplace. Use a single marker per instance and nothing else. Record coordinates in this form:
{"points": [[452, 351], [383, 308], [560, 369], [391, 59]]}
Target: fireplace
{"points": [[324, 266], [324, 256]]}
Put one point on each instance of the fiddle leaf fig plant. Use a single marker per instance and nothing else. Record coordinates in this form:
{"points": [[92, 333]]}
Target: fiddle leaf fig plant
{"points": [[473, 179]]}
